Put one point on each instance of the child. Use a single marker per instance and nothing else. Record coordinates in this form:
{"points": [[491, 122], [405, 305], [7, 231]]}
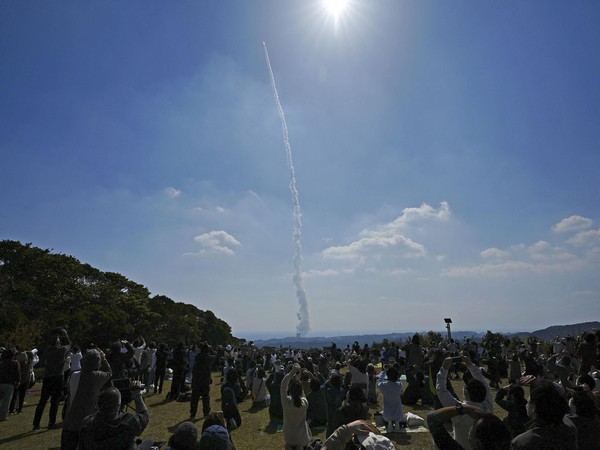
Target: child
{"points": [[391, 388]]}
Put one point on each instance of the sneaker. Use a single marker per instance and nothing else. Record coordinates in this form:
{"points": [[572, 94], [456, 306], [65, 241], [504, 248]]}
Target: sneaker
{"points": [[35, 428], [51, 426], [192, 416]]}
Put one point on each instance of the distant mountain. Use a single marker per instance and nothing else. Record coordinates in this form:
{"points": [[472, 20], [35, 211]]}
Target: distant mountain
{"points": [[343, 341], [563, 330]]}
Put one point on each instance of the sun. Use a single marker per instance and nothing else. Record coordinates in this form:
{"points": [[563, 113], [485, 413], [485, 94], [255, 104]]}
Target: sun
{"points": [[335, 7]]}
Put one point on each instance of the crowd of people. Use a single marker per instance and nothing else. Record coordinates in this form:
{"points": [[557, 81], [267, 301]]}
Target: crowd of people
{"points": [[551, 395]]}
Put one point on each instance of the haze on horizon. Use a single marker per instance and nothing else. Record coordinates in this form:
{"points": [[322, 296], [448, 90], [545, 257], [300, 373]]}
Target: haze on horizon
{"points": [[446, 156]]}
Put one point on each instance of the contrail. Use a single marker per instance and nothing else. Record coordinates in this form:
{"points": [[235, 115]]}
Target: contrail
{"points": [[303, 321]]}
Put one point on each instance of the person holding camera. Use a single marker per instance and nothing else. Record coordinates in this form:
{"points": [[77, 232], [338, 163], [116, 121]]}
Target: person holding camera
{"points": [[109, 428], [95, 372]]}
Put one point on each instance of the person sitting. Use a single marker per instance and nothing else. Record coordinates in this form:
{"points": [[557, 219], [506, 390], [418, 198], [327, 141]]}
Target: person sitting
{"points": [[353, 408], [184, 438], [229, 400], [214, 433], [295, 429], [476, 393], [316, 413], [487, 431], [586, 420], [109, 428], [391, 388], [516, 406], [547, 408], [334, 396]]}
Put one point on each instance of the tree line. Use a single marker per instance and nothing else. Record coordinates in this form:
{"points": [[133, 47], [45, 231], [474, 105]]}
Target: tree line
{"points": [[41, 290]]}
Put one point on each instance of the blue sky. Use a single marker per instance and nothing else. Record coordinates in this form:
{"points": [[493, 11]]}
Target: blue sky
{"points": [[447, 156]]}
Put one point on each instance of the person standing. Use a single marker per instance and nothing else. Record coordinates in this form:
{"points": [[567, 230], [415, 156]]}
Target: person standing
{"points": [[95, 373], [52, 384], [201, 380], [10, 376]]}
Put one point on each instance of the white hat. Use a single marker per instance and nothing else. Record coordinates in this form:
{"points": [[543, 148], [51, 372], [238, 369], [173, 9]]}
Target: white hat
{"points": [[374, 441], [228, 348]]}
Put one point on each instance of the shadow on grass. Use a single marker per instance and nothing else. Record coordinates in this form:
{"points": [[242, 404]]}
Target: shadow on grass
{"points": [[163, 402], [17, 437]]}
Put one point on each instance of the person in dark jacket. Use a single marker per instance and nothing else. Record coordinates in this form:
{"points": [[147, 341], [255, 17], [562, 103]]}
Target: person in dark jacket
{"points": [[201, 380], [52, 386], [10, 377]]}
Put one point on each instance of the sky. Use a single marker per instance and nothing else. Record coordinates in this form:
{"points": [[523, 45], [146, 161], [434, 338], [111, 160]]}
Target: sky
{"points": [[446, 156]]}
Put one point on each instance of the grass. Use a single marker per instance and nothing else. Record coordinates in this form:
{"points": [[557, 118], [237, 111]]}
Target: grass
{"points": [[165, 416]]}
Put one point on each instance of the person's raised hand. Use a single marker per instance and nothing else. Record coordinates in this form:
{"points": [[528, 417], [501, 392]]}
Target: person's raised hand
{"points": [[361, 427]]}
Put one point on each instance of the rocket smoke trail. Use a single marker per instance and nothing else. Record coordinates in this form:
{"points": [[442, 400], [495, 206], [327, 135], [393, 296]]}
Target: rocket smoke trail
{"points": [[303, 321]]}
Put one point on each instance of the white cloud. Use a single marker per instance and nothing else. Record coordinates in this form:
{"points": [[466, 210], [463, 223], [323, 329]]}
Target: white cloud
{"points": [[572, 223], [172, 192], [326, 273], [494, 253], [219, 242], [586, 238], [390, 240], [512, 267]]}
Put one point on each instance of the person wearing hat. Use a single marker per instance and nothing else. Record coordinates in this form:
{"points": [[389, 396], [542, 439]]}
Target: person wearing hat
{"points": [[184, 438], [94, 374]]}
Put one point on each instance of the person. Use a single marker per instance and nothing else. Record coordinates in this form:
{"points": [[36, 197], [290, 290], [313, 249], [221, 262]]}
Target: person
{"points": [[94, 374], [357, 368], [547, 429], [586, 420], [516, 406], [201, 380], [353, 408], [334, 396], [414, 353], [358, 433], [260, 394], [180, 365], [184, 438], [296, 431], [274, 387], [487, 432], [109, 428], [391, 388], [316, 414], [372, 389], [160, 370], [214, 433], [588, 353], [476, 393], [229, 401], [25, 360], [52, 385], [10, 377], [119, 357]]}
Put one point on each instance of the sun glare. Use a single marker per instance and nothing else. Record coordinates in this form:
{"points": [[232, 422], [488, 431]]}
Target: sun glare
{"points": [[336, 7]]}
